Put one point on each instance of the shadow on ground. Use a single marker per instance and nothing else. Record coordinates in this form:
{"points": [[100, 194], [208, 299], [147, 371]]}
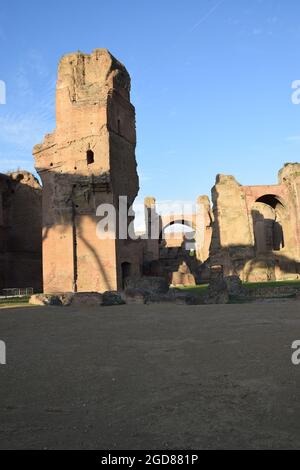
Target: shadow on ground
{"points": [[150, 377]]}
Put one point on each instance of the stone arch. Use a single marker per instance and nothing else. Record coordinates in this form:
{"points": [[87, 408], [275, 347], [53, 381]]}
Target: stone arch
{"points": [[181, 240], [271, 200], [178, 221], [268, 213]]}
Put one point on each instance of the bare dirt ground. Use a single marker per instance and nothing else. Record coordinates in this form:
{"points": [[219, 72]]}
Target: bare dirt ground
{"points": [[150, 377]]}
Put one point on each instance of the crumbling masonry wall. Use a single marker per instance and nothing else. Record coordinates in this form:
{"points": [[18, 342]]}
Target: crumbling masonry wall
{"points": [[87, 161], [171, 257], [256, 230], [20, 231]]}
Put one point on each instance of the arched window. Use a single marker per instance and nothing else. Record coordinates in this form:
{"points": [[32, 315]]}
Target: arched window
{"points": [[90, 157]]}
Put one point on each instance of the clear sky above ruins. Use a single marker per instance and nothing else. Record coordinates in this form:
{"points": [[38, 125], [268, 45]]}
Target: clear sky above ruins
{"points": [[211, 82]]}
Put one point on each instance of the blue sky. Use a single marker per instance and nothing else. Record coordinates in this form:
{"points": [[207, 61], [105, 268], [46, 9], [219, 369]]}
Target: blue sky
{"points": [[211, 82]]}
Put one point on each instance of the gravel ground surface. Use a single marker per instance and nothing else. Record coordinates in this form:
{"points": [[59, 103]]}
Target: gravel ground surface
{"points": [[150, 377]]}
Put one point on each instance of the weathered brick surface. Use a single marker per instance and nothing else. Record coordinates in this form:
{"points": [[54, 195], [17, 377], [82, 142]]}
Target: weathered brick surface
{"points": [[20, 231], [87, 161], [256, 230]]}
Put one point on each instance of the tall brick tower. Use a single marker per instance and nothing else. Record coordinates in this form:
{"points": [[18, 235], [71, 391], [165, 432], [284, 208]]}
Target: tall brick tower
{"points": [[87, 161]]}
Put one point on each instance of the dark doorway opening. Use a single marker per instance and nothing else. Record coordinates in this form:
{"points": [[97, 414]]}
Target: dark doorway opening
{"points": [[90, 157], [126, 272]]}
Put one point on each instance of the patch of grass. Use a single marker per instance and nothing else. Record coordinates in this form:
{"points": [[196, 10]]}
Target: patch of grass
{"points": [[4, 306], [198, 291], [201, 290], [238, 300], [15, 301], [255, 285]]}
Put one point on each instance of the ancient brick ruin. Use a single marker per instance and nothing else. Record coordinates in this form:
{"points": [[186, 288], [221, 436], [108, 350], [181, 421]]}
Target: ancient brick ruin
{"points": [[89, 160], [20, 231], [179, 257], [250, 231], [256, 229]]}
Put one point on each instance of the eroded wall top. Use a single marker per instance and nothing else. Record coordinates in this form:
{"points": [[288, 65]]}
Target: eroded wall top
{"points": [[92, 101]]}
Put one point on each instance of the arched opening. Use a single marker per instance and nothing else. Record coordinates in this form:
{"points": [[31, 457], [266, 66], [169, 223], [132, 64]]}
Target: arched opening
{"points": [[178, 252], [90, 157], [126, 273], [270, 200], [267, 214], [179, 234]]}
